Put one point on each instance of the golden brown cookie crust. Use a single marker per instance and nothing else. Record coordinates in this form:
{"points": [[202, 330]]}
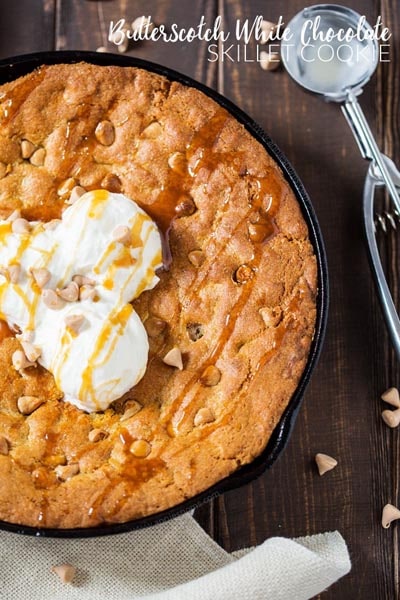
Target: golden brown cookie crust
{"points": [[238, 299]]}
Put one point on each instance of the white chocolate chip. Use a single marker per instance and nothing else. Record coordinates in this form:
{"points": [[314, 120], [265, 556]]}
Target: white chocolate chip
{"points": [[391, 396], [153, 130], [173, 358], [325, 463], [14, 273], [75, 322], [391, 417], [76, 193], [390, 513], [27, 148], [70, 293], [20, 362], [83, 280], [41, 276], [269, 61], [28, 404], [142, 24], [66, 187], [67, 472], [16, 214], [122, 234], [38, 157], [32, 352], [52, 300], [65, 572], [20, 226], [267, 28], [87, 292]]}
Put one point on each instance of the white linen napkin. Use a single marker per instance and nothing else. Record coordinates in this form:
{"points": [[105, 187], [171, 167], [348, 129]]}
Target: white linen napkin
{"points": [[175, 560]]}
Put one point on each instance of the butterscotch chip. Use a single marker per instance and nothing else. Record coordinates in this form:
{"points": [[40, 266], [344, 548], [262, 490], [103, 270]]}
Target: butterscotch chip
{"points": [[258, 232], [70, 293], [196, 257], [154, 326], [75, 322], [67, 472], [267, 28], [153, 130], [14, 273], [4, 446], [65, 572], [52, 300], [122, 234], [41, 276], [211, 376], [391, 396], [391, 418], [140, 448], [142, 24], [203, 416], [325, 463], [177, 162], [87, 292], [83, 280], [186, 207], [105, 133], [269, 61], [28, 404], [66, 187], [27, 149], [173, 358], [112, 183], [38, 157], [390, 513], [20, 226], [96, 435], [131, 409]]}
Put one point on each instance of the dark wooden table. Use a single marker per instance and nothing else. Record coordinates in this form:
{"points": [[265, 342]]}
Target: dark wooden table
{"points": [[341, 410]]}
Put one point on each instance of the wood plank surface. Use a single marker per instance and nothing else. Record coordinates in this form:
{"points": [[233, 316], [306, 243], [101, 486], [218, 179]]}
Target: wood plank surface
{"points": [[341, 409]]}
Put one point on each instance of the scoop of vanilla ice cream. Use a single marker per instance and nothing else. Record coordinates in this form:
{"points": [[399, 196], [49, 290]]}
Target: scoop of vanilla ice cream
{"points": [[110, 240]]}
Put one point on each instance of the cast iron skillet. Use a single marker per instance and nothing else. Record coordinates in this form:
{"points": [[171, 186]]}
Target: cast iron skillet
{"points": [[12, 68]]}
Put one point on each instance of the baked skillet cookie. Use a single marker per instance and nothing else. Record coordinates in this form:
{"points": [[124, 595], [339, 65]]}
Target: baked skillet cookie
{"points": [[236, 301]]}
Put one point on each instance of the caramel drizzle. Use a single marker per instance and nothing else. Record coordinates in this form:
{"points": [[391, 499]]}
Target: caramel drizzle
{"points": [[264, 202], [11, 102]]}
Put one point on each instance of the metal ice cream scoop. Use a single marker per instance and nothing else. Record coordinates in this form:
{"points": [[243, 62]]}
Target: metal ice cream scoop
{"points": [[332, 52]]}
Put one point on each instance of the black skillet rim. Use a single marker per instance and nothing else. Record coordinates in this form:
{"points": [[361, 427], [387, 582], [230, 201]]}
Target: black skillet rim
{"points": [[14, 67]]}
